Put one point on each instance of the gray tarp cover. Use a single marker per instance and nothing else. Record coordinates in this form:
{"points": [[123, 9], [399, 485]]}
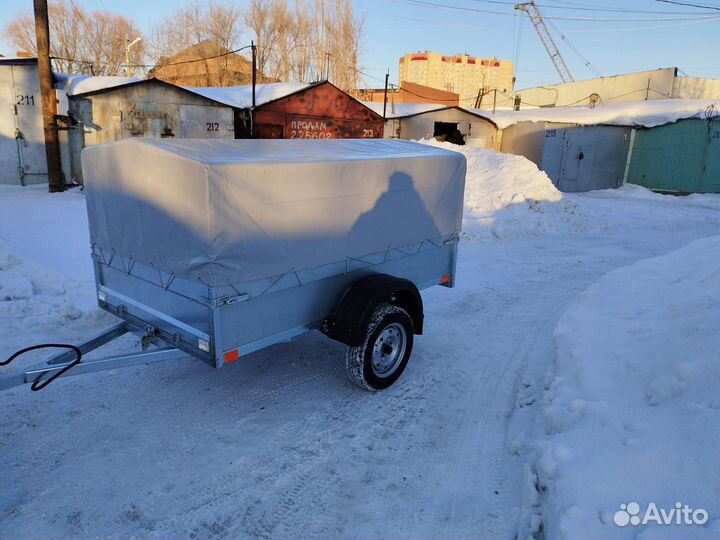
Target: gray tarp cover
{"points": [[227, 211]]}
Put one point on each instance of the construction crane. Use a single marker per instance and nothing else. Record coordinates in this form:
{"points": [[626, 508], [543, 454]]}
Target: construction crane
{"points": [[547, 40]]}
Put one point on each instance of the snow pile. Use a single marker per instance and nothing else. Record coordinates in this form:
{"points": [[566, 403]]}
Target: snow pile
{"points": [[633, 412], [507, 196], [38, 304], [46, 277], [49, 229], [650, 113]]}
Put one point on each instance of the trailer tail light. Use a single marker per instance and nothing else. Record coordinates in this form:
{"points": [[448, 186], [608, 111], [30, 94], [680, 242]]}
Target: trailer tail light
{"points": [[445, 279], [231, 356]]}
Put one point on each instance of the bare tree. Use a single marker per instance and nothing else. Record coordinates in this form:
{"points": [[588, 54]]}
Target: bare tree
{"points": [[344, 35], [85, 42], [224, 24], [194, 23], [271, 23], [314, 40]]}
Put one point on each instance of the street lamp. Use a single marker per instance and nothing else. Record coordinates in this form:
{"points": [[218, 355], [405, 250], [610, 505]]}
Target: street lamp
{"points": [[129, 44]]}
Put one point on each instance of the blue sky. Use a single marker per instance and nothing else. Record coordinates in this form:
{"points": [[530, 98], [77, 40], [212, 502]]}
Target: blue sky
{"points": [[633, 35]]}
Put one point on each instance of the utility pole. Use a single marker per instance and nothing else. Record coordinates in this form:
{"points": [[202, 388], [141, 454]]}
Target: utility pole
{"points": [[494, 99], [254, 83], [47, 94], [387, 76]]}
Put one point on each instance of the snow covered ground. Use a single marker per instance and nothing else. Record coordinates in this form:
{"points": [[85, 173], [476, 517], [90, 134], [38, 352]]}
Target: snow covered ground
{"points": [[633, 412], [282, 445]]}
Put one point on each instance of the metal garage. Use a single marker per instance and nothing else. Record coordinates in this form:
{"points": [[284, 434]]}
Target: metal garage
{"points": [[22, 140], [528, 139], [145, 108], [575, 157], [682, 157], [411, 122], [297, 111], [584, 158]]}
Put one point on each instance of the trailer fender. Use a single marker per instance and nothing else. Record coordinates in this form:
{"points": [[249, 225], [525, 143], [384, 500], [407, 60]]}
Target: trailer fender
{"points": [[349, 321]]}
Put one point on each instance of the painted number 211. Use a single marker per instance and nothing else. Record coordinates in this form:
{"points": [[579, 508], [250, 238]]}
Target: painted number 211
{"points": [[25, 100]]}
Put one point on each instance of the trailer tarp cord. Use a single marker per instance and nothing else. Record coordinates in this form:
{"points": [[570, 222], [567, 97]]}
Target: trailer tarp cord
{"points": [[39, 384]]}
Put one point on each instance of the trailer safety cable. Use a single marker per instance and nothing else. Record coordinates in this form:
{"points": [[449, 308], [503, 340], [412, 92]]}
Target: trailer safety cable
{"points": [[37, 383]]}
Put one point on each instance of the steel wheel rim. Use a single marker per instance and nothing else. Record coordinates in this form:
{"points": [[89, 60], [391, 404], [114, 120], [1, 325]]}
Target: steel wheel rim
{"points": [[389, 350]]}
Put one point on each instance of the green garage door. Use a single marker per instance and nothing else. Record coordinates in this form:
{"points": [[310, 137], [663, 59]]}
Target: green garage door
{"points": [[669, 157], [711, 179], [683, 157]]}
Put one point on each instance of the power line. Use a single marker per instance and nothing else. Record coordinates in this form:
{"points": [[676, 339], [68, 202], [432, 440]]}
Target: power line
{"points": [[633, 28], [600, 9], [575, 50], [157, 65], [425, 3], [688, 4]]}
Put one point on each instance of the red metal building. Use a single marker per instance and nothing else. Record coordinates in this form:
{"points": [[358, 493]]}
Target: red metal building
{"points": [[318, 111]]}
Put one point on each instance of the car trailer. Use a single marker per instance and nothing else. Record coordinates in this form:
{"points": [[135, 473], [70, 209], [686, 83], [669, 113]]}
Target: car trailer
{"points": [[215, 249]]}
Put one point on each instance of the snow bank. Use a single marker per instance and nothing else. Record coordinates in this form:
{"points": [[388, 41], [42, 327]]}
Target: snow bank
{"points": [[47, 288], [507, 196], [49, 229], [38, 305], [633, 412]]}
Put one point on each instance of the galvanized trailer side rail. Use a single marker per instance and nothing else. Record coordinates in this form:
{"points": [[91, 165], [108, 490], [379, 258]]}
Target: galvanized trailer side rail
{"points": [[59, 365]]}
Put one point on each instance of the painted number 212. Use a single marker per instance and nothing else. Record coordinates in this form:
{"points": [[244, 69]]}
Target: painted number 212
{"points": [[213, 126]]}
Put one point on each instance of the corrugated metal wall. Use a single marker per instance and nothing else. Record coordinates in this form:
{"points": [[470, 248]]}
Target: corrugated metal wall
{"points": [[682, 157]]}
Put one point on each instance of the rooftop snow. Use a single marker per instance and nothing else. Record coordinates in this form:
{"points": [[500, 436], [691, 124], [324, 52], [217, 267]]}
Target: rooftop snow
{"points": [[631, 113], [241, 96], [74, 84]]}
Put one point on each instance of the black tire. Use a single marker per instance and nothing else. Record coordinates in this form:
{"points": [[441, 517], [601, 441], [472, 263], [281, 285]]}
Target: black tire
{"points": [[390, 331]]}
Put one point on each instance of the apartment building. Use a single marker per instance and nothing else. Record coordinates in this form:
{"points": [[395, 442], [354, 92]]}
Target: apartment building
{"points": [[462, 74]]}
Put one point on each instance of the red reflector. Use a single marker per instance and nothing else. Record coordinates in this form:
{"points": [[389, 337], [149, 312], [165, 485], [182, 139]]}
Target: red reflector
{"points": [[445, 279], [231, 356]]}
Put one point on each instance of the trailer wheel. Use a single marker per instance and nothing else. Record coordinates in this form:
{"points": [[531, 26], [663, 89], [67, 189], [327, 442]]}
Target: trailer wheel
{"points": [[382, 356]]}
